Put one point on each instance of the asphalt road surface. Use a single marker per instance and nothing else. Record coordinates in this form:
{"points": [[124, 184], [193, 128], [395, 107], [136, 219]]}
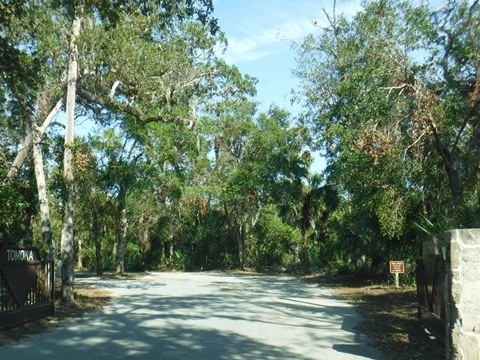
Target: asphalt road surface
{"points": [[205, 316]]}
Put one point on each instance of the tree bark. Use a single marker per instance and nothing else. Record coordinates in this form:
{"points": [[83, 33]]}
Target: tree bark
{"points": [[67, 241], [240, 234], [121, 242], [453, 175], [170, 249], [79, 251], [98, 243], [67, 249], [42, 194]]}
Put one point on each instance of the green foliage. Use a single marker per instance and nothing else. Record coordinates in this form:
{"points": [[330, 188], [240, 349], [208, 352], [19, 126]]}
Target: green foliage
{"points": [[176, 261], [392, 95], [273, 243], [211, 248], [15, 213], [200, 180], [134, 257]]}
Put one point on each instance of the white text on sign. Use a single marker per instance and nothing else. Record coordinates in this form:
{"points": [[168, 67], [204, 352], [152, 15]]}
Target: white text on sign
{"points": [[397, 267]]}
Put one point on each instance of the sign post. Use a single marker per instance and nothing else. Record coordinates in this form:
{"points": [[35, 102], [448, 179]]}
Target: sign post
{"points": [[397, 268]]}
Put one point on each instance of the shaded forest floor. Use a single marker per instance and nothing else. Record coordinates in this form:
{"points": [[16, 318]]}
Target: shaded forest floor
{"points": [[390, 316]]}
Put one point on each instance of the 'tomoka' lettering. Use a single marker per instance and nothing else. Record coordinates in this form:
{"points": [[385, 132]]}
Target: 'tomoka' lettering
{"points": [[19, 255]]}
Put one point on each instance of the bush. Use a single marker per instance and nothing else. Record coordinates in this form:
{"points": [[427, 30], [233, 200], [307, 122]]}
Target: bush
{"points": [[134, 257], [274, 243]]}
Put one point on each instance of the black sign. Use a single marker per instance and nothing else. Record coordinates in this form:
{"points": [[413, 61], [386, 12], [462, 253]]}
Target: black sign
{"points": [[26, 286], [19, 266]]}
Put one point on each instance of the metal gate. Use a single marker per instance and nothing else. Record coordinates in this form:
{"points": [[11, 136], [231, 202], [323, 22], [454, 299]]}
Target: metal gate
{"points": [[431, 287], [26, 286]]}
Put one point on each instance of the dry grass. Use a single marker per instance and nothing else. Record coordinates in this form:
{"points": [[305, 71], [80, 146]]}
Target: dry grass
{"points": [[390, 318]]}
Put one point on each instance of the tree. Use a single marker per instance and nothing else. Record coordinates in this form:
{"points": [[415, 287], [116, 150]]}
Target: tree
{"points": [[256, 157], [165, 91], [94, 208], [67, 242], [28, 97], [393, 97], [317, 201], [275, 243], [118, 158]]}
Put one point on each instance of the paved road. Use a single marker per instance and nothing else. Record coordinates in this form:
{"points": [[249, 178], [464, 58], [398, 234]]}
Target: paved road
{"points": [[205, 316]]}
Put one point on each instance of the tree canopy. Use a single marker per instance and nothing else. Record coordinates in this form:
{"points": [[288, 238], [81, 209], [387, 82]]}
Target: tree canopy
{"points": [[181, 170], [393, 97]]}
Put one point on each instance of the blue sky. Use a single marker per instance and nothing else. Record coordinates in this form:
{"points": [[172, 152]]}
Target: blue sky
{"points": [[260, 35]]}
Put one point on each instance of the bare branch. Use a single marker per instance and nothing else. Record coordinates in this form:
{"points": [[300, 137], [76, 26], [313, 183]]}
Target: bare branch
{"points": [[391, 88], [114, 88], [131, 110], [28, 143]]}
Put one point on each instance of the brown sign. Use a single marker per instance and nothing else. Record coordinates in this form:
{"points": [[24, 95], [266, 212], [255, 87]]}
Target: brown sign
{"points": [[397, 267]]}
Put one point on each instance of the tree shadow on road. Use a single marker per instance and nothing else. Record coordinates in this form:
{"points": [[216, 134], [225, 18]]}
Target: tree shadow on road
{"points": [[227, 318]]}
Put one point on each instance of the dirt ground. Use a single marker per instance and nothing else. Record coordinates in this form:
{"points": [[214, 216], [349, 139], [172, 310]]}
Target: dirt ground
{"points": [[390, 316]]}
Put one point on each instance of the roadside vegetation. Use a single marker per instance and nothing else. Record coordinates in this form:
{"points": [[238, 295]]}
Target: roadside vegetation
{"points": [[181, 171]]}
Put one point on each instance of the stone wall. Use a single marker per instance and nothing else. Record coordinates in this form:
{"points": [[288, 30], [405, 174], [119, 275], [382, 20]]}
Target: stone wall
{"points": [[463, 294]]}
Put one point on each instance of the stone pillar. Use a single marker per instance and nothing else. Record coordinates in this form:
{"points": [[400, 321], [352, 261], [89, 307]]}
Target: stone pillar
{"points": [[463, 294]]}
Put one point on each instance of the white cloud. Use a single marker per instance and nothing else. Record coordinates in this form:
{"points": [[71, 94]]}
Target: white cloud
{"points": [[296, 30], [263, 42], [267, 27]]}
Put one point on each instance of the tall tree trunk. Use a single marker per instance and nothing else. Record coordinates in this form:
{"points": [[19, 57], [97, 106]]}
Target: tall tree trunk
{"points": [[305, 239], [47, 237], [98, 244], [79, 254], [67, 242], [304, 226], [121, 242], [98, 257], [97, 240], [42, 194], [240, 234], [450, 165], [67, 249], [121, 230], [144, 226]]}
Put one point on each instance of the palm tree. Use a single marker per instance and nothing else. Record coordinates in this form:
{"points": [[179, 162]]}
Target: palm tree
{"points": [[318, 200]]}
